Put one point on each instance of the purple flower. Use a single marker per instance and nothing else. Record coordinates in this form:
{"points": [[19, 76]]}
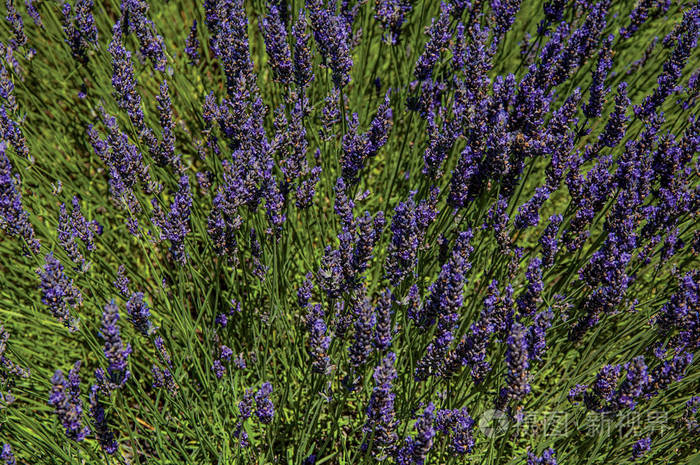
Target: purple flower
{"points": [[125, 166], [465, 184], [687, 38], [65, 398], [9, 370], [677, 322], [416, 449], [641, 447], [517, 376], [554, 10], [504, 12], [264, 409], [319, 340], [175, 225], [547, 458], [365, 319], [441, 138], [164, 152], [383, 329], [80, 28], [446, 293], [115, 351], [103, 432], [333, 40], [391, 14], [615, 127], [33, 13], [306, 190], [58, 292], [75, 226], [245, 410], [495, 318], [457, 425], [275, 36], [604, 388], [537, 343], [549, 242], [192, 45], [529, 300], [139, 313], [218, 367], [122, 282], [529, 212], [598, 90], [381, 424], [124, 79], [690, 414], [163, 377], [408, 227], [359, 147], [14, 219], [667, 373], [14, 19], [438, 39], [302, 67], [637, 17], [633, 386], [6, 455], [134, 16]]}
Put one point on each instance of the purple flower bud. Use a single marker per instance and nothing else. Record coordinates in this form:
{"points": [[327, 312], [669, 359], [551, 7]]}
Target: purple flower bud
{"points": [[264, 409], [457, 425], [391, 14], [80, 28], [687, 38], [365, 319], [275, 36], [14, 219], [598, 90], [548, 458], [416, 449], [134, 14], [615, 127], [408, 227], [103, 433], [381, 424], [139, 313], [332, 39], [637, 17], [517, 376], [14, 19], [303, 70], [549, 242], [115, 351], [319, 341], [383, 329], [640, 448], [192, 45], [6, 455], [529, 300], [58, 292], [65, 398]]}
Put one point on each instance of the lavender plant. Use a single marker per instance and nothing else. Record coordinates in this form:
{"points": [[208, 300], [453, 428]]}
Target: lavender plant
{"points": [[349, 232]]}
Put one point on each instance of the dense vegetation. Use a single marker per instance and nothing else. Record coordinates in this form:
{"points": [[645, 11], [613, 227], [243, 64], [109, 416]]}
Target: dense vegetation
{"points": [[385, 231]]}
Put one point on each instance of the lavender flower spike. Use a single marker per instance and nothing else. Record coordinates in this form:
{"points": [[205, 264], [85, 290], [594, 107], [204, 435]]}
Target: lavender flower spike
{"points": [[65, 398], [58, 292], [114, 350], [381, 422]]}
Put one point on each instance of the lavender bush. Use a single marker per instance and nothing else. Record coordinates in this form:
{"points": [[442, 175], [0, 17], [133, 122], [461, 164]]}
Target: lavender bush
{"points": [[311, 231]]}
